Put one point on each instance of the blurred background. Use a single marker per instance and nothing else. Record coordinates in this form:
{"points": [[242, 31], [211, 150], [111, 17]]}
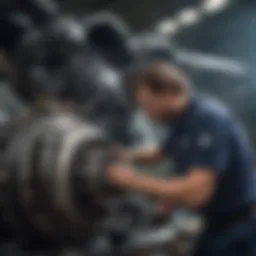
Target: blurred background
{"points": [[214, 39]]}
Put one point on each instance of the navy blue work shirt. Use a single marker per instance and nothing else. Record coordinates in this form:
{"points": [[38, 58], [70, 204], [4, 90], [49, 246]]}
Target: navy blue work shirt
{"points": [[209, 136]]}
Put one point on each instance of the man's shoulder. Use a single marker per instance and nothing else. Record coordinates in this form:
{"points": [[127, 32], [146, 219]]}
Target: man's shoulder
{"points": [[212, 111]]}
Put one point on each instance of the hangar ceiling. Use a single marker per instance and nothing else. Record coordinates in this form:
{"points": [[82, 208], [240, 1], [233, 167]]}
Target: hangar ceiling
{"points": [[139, 14]]}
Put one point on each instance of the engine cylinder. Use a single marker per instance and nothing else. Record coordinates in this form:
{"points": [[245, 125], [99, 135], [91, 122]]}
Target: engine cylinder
{"points": [[55, 169]]}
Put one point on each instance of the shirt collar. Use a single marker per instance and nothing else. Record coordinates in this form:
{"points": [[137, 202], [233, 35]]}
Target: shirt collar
{"points": [[190, 110]]}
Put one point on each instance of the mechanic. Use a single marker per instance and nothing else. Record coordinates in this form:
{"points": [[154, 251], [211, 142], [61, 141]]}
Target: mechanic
{"points": [[212, 153]]}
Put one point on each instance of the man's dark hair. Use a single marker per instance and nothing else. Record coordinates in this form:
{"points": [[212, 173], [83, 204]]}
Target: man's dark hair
{"points": [[161, 78]]}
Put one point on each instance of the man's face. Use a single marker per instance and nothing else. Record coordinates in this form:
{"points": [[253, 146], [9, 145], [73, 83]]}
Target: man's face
{"points": [[161, 106]]}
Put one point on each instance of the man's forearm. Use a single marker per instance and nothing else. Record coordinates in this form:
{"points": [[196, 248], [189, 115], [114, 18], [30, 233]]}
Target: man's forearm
{"points": [[172, 190], [180, 190]]}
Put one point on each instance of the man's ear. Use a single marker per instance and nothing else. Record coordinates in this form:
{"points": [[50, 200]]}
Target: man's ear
{"points": [[108, 35]]}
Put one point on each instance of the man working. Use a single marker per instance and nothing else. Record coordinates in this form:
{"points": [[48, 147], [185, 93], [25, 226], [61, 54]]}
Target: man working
{"points": [[211, 152]]}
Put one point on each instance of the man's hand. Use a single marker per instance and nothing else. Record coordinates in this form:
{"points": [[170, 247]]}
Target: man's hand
{"points": [[120, 175]]}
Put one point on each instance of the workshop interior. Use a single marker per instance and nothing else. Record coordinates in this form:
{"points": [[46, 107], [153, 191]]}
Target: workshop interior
{"points": [[92, 48]]}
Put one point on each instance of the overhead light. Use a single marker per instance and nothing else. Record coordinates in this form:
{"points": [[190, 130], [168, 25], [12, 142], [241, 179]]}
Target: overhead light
{"points": [[212, 6], [189, 16], [168, 27], [212, 62]]}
